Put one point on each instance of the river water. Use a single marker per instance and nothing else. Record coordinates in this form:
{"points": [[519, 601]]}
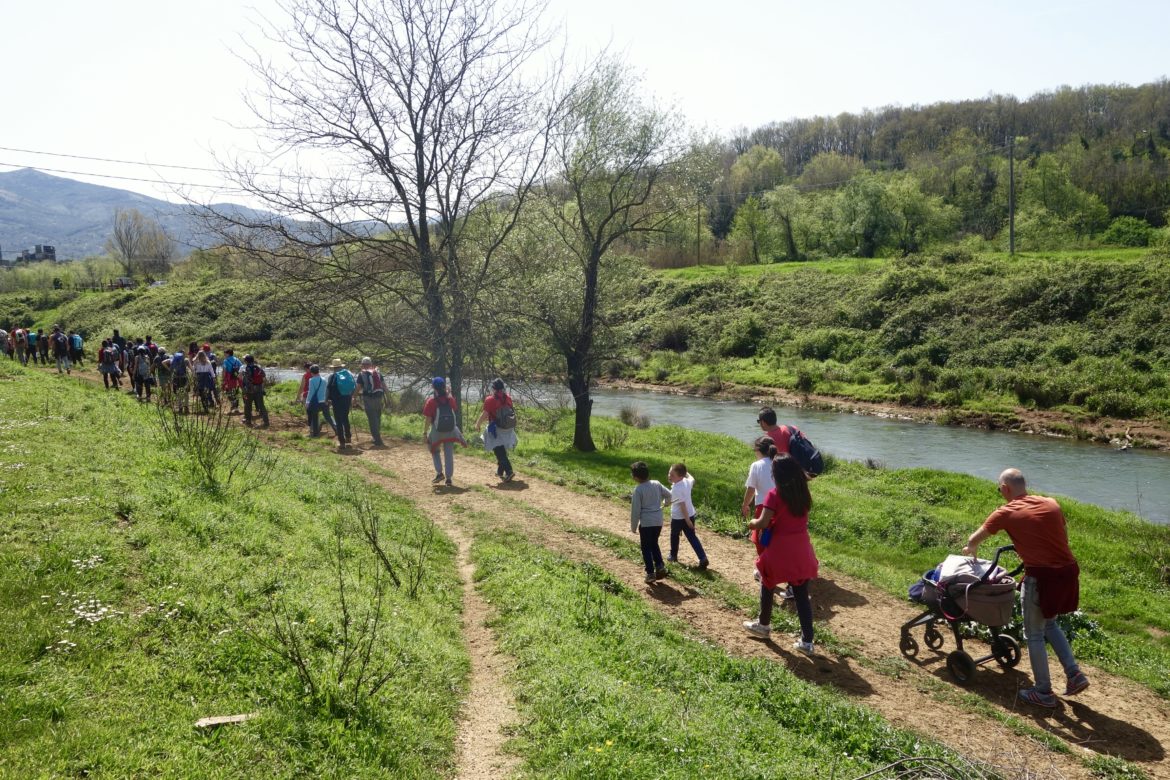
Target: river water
{"points": [[1136, 480]]}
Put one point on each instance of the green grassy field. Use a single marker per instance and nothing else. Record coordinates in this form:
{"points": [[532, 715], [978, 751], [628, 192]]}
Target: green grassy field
{"points": [[134, 600]]}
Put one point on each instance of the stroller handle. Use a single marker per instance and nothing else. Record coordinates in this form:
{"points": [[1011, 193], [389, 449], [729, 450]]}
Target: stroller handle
{"points": [[995, 562]]}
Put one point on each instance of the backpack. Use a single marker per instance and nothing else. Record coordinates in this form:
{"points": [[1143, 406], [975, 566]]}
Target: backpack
{"points": [[255, 376], [179, 365], [345, 382], [444, 416], [803, 451], [109, 357], [20, 336], [506, 417]]}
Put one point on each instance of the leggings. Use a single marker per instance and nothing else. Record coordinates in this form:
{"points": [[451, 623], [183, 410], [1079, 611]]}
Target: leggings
{"points": [[803, 608]]}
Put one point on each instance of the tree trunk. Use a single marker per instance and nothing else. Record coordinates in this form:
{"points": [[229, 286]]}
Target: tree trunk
{"points": [[583, 406]]}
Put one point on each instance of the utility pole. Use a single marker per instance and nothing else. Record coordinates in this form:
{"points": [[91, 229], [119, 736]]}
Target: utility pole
{"points": [[1012, 196], [699, 233]]}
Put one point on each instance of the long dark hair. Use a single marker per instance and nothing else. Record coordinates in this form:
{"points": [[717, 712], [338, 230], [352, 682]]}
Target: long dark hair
{"points": [[791, 484]]}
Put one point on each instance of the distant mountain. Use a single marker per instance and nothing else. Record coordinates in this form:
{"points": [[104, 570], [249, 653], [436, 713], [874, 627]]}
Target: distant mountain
{"points": [[76, 217]]}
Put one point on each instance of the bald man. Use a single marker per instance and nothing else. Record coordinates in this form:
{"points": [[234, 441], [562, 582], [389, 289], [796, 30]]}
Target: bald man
{"points": [[1051, 580]]}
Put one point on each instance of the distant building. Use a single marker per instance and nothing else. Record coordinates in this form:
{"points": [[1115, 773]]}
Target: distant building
{"points": [[38, 252]]}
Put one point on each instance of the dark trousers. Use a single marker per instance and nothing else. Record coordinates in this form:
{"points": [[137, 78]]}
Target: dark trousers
{"points": [[803, 609], [314, 409], [341, 405], [373, 407], [680, 526], [503, 465], [651, 554], [250, 398]]}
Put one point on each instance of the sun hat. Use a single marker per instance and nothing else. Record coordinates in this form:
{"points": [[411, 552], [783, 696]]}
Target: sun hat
{"points": [[337, 363], [367, 362]]}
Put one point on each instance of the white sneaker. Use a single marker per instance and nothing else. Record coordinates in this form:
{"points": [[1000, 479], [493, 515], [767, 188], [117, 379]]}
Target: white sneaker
{"points": [[756, 628], [804, 647]]}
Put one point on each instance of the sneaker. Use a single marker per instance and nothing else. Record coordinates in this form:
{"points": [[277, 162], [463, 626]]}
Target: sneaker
{"points": [[789, 595], [803, 647], [1039, 698], [1077, 683], [756, 628], [671, 559], [448, 483], [703, 565], [660, 574], [509, 476], [438, 478], [651, 579]]}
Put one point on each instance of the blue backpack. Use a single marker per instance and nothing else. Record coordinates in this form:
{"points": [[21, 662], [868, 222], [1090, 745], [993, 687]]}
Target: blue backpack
{"points": [[803, 451], [345, 381], [179, 364]]}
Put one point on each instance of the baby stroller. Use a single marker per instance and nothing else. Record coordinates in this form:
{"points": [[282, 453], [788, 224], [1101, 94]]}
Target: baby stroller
{"points": [[965, 590]]}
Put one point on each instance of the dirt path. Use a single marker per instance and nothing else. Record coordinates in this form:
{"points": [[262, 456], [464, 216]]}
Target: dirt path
{"points": [[1114, 717], [489, 708]]}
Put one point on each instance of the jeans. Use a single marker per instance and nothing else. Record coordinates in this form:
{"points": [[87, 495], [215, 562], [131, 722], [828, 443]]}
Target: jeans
{"points": [[448, 459], [314, 409], [1036, 630], [63, 364], [341, 404], [373, 407], [651, 554], [503, 465], [678, 527]]}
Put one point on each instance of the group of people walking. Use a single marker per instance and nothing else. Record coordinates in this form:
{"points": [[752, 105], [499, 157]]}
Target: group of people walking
{"points": [[776, 501], [27, 345], [776, 504]]}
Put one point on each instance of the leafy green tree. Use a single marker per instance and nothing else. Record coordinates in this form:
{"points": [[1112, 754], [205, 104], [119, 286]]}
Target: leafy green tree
{"points": [[865, 220], [620, 170], [752, 229], [918, 218], [784, 204], [1127, 231], [829, 170], [756, 171]]}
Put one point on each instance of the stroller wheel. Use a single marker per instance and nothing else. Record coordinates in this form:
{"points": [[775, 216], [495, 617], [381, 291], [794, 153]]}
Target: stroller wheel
{"points": [[961, 666], [1006, 650], [933, 637], [908, 645]]}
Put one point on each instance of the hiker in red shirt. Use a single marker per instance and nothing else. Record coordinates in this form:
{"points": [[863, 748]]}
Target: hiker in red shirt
{"points": [[500, 434], [779, 434], [1051, 580]]}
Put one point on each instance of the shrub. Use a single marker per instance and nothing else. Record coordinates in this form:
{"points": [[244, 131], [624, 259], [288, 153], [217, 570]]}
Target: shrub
{"points": [[742, 338], [1127, 231], [1116, 403], [632, 416], [674, 335], [805, 381]]}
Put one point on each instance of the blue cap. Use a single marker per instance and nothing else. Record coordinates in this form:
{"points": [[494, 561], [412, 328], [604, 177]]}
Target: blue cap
{"points": [[438, 382]]}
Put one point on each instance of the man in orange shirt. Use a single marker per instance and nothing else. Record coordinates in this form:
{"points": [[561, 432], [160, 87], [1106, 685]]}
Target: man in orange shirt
{"points": [[1051, 580]]}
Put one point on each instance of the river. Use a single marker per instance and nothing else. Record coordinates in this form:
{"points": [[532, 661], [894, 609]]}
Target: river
{"points": [[1136, 480]]}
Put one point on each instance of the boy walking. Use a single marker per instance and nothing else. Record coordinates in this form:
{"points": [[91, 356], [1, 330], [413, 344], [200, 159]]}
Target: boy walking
{"points": [[646, 519]]}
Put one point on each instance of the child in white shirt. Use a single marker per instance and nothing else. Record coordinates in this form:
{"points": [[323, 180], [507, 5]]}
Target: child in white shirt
{"points": [[682, 514]]}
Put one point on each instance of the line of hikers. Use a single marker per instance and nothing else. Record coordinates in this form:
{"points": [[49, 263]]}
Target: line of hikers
{"points": [[27, 345]]}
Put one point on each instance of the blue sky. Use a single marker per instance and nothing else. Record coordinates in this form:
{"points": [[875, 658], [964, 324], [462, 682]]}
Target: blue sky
{"points": [[157, 82]]}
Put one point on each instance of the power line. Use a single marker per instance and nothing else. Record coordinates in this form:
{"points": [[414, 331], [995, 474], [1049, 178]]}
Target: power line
{"points": [[110, 160], [160, 182]]}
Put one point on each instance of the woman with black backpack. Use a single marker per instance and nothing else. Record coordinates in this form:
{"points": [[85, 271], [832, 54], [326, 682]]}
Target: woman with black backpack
{"points": [[441, 430], [500, 434]]}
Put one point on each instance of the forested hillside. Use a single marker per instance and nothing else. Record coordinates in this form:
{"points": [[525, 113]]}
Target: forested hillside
{"points": [[1090, 167]]}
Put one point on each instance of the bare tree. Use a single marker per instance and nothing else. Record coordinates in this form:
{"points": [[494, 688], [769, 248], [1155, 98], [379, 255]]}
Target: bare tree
{"points": [[623, 168], [126, 242], [434, 135]]}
